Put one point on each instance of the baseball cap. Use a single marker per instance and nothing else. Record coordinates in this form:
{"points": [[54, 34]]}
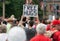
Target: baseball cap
{"points": [[55, 22]]}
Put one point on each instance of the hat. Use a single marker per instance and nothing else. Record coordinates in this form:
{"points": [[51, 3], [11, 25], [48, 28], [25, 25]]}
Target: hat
{"points": [[55, 22], [9, 20]]}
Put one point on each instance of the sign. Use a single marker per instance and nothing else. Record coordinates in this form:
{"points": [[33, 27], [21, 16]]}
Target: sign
{"points": [[30, 10]]}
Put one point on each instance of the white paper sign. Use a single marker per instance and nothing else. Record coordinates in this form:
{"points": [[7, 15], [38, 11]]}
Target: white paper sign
{"points": [[30, 10]]}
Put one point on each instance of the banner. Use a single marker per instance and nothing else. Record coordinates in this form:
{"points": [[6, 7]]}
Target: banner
{"points": [[30, 10]]}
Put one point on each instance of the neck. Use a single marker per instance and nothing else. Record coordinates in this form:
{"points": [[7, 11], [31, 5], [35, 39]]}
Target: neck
{"points": [[30, 27], [39, 34]]}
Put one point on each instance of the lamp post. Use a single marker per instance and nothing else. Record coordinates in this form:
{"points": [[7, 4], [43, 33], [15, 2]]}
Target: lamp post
{"points": [[53, 5], [3, 9]]}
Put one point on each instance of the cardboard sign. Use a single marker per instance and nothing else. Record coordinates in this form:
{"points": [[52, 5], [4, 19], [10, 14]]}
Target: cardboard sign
{"points": [[30, 10]]}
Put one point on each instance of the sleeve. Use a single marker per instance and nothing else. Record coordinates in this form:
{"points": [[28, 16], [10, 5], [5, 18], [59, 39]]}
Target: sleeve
{"points": [[49, 40], [59, 38], [34, 39], [55, 37]]}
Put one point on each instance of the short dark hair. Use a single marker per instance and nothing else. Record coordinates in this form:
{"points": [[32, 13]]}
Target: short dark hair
{"points": [[57, 18], [31, 23], [24, 19], [41, 20]]}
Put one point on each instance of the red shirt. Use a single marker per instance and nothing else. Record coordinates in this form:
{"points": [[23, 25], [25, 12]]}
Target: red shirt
{"points": [[56, 36], [48, 27], [40, 38]]}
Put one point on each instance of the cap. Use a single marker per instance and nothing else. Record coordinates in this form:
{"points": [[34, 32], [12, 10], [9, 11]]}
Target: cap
{"points": [[55, 22]]}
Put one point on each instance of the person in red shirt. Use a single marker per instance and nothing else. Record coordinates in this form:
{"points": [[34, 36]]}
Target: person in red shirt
{"points": [[40, 29], [56, 35], [48, 25], [53, 25]]}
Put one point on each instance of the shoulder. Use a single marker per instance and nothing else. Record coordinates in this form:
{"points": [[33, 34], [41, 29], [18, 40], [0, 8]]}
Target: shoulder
{"points": [[48, 39], [57, 33], [34, 39], [38, 38]]}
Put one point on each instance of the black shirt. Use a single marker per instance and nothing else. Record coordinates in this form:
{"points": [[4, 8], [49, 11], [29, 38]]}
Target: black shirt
{"points": [[30, 33]]}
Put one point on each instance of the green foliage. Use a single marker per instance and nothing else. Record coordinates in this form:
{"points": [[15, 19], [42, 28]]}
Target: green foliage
{"points": [[0, 9], [16, 7]]}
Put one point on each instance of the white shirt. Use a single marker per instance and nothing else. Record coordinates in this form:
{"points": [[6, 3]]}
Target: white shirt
{"points": [[16, 34], [3, 36]]}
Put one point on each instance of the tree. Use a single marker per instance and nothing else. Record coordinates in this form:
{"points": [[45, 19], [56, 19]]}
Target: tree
{"points": [[16, 7]]}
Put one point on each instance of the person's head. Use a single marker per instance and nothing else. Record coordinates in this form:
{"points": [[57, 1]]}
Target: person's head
{"points": [[3, 28], [57, 18], [4, 22], [15, 22], [12, 16], [41, 20], [16, 34], [41, 28], [24, 24], [48, 22], [44, 21], [24, 19], [56, 24], [31, 23], [0, 29]]}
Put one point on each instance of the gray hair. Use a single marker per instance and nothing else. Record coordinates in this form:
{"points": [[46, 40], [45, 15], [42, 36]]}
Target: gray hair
{"points": [[41, 28]]}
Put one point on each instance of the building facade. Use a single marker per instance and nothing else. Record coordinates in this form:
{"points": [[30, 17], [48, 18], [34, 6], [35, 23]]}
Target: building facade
{"points": [[52, 7]]}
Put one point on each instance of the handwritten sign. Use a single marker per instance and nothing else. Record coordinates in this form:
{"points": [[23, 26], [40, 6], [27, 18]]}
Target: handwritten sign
{"points": [[30, 10]]}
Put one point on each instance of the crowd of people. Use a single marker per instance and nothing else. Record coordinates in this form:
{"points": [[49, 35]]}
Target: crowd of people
{"points": [[29, 29]]}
